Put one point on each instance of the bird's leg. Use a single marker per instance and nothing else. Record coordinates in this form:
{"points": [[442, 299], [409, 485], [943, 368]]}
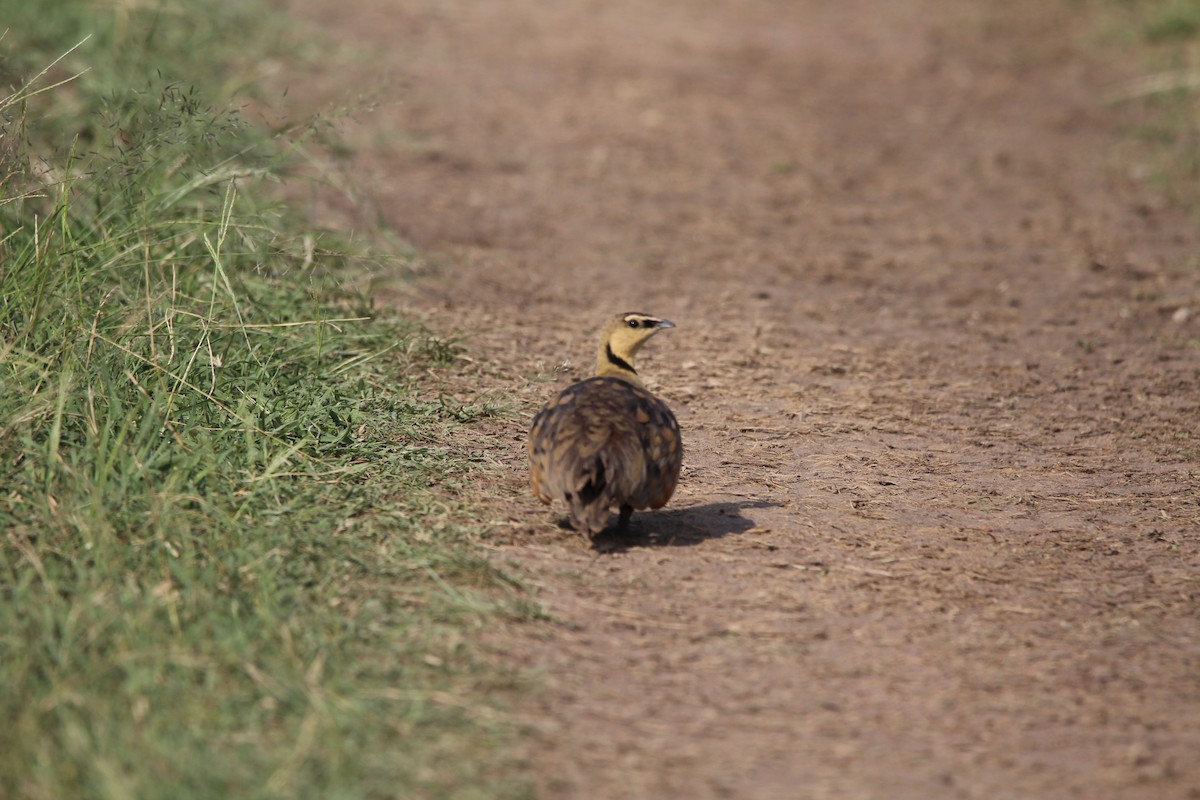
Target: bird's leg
{"points": [[623, 522]]}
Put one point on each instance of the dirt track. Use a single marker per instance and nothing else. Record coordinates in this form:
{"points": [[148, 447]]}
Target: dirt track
{"points": [[937, 367]]}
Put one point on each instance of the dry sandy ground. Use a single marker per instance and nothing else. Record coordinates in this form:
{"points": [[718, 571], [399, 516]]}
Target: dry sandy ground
{"points": [[937, 365]]}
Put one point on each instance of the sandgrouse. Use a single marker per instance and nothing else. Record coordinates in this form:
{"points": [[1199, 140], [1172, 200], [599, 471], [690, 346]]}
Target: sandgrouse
{"points": [[606, 441]]}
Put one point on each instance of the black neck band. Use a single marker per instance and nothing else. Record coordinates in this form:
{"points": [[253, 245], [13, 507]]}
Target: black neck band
{"points": [[617, 361]]}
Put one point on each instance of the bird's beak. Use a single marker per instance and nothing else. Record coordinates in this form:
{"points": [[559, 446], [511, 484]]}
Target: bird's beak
{"points": [[664, 323]]}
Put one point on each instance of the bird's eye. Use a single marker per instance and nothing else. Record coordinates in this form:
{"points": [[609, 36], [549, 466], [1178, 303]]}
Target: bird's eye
{"points": [[633, 323]]}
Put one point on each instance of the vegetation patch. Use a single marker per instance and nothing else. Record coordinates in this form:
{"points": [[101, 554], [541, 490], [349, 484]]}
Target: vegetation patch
{"points": [[226, 567], [1166, 35]]}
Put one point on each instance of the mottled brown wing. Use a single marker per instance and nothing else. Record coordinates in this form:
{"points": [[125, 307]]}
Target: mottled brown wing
{"points": [[604, 443], [663, 449]]}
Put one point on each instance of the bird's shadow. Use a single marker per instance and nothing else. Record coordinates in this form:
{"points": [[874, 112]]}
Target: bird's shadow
{"points": [[680, 527]]}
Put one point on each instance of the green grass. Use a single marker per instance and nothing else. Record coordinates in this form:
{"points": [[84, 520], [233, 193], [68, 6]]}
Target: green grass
{"points": [[1150, 21], [1165, 35], [227, 565], [1173, 19]]}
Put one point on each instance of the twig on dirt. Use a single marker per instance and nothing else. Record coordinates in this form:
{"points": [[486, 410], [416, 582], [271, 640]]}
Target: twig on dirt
{"points": [[980, 576], [1078, 500], [1020, 610], [882, 573], [1158, 83]]}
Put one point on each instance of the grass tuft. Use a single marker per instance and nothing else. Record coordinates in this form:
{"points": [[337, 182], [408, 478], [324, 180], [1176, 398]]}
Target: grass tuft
{"points": [[1178, 19], [1165, 34], [224, 571]]}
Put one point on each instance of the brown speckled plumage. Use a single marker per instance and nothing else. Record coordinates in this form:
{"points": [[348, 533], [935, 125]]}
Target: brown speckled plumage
{"points": [[607, 442]]}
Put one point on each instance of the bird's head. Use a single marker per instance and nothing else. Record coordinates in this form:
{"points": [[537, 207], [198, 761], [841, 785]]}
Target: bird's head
{"points": [[621, 339]]}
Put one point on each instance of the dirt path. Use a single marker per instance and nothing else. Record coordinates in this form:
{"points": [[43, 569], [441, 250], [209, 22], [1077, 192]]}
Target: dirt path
{"points": [[937, 365]]}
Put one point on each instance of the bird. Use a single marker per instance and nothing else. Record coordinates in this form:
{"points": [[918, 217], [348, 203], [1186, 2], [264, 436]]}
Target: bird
{"points": [[606, 441]]}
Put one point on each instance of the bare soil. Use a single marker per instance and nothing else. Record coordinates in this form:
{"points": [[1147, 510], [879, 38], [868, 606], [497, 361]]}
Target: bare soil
{"points": [[937, 366]]}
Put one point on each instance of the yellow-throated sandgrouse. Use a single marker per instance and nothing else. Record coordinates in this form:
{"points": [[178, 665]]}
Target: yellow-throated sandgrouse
{"points": [[607, 442]]}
